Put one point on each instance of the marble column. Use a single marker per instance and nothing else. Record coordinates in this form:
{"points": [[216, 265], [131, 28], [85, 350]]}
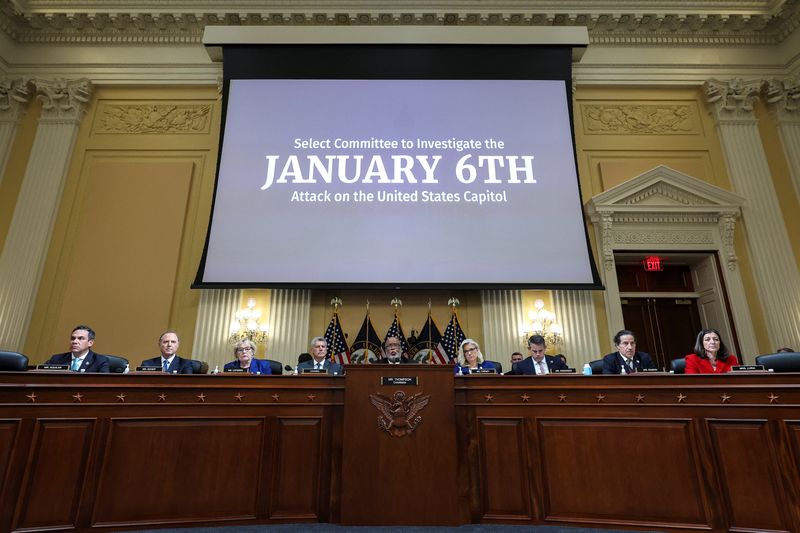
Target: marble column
{"points": [[575, 312], [502, 319], [783, 99], [14, 97], [215, 313], [777, 276], [28, 239], [289, 311]]}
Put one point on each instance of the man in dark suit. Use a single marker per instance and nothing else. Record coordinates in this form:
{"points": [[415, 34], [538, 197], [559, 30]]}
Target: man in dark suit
{"points": [[393, 352], [626, 360], [169, 361], [319, 359], [537, 363], [80, 357]]}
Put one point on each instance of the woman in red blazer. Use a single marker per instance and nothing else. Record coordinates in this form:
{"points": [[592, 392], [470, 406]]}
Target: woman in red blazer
{"points": [[711, 355]]}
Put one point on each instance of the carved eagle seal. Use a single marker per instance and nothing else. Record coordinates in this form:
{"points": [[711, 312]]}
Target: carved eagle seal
{"points": [[399, 414]]}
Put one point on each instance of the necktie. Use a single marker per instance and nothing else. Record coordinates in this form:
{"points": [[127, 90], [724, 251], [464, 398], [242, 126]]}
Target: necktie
{"points": [[319, 366], [76, 365], [541, 367], [631, 368], [166, 366]]}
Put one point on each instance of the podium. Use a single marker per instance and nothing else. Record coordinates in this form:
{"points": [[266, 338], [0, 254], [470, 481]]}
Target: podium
{"points": [[400, 455]]}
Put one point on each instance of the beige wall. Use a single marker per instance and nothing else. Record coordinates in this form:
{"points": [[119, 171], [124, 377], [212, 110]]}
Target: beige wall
{"points": [[130, 229]]}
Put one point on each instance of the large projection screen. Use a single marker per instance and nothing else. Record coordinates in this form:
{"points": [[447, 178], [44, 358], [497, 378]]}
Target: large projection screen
{"points": [[397, 166]]}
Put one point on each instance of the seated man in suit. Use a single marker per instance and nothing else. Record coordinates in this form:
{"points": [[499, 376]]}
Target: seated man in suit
{"points": [[626, 360], [80, 357], [537, 363], [319, 359], [393, 352], [171, 363]]}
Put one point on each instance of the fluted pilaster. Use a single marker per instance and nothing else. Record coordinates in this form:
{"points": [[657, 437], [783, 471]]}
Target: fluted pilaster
{"points": [[502, 318], [214, 315], [575, 312], [777, 277], [783, 99], [289, 310], [64, 104], [14, 97]]}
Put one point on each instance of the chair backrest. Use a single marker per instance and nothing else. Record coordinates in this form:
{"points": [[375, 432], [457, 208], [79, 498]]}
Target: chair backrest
{"points": [[780, 362], [13, 361], [496, 364], [678, 365], [597, 366], [199, 367], [275, 366], [116, 364]]}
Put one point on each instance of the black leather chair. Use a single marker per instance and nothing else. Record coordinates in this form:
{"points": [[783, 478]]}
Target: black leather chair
{"points": [[780, 362], [199, 367], [116, 364], [497, 365], [275, 366], [678, 365], [13, 361], [597, 366]]}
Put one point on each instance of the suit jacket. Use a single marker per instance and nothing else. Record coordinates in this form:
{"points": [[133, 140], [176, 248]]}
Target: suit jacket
{"points": [[331, 368], [257, 366], [613, 364], [528, 367], [179, 364], [697, 365], [465, 370], [403, 360], [93, 362]]}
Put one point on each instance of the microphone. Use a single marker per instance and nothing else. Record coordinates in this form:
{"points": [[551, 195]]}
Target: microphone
{"points": [[289, 369]]}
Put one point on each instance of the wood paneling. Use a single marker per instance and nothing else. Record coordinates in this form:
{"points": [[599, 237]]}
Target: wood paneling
{"points": [[503, 448], [752, 491], [55, 474], [298, 462], [616, 462], [192, 469], [655, 452]]}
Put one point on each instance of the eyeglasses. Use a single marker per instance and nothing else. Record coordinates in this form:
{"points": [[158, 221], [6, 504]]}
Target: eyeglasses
{"points": [[393, 345], [470, 350], [248, 349]]}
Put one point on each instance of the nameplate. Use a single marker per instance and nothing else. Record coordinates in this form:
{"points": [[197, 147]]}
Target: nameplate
{"points": [[564, 371], [52, 367], [410, 381], [149, 369], [650, 370], [314, 371], [483, 371], [747, 368], [235, 370]]}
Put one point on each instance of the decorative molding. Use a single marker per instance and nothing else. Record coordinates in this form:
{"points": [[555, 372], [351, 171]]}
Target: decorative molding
{"points": [[630, 23], [664, 190], [148, 118], [732, 101], [783, 99], [63, 101], [727, 225], [654, 236], [637, 119], [14, 98]]}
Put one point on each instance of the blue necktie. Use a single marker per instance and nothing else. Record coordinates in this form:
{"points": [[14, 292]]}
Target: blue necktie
{"points": [[166, 366], [76, 365]]}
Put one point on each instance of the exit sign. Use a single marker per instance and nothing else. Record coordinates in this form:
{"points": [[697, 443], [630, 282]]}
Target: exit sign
{"points": [[653, 263]]}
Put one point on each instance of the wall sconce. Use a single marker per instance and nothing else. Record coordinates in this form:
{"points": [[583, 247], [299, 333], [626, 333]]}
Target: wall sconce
{"points": [[542, 322], [246, 325]]}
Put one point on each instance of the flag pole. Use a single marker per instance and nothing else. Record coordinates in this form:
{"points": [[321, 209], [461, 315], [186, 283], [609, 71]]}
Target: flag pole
{"points": [[366, 347], [335, 302], [430, 339]]}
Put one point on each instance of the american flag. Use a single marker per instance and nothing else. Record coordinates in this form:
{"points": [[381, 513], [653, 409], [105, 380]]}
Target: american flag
{"points": [[427, 344], [367, 346], [396, 330], [338, 351], [451, 340]]}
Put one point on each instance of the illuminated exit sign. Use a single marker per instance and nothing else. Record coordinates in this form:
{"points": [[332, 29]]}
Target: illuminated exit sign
{"points": [[653, 263]]}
